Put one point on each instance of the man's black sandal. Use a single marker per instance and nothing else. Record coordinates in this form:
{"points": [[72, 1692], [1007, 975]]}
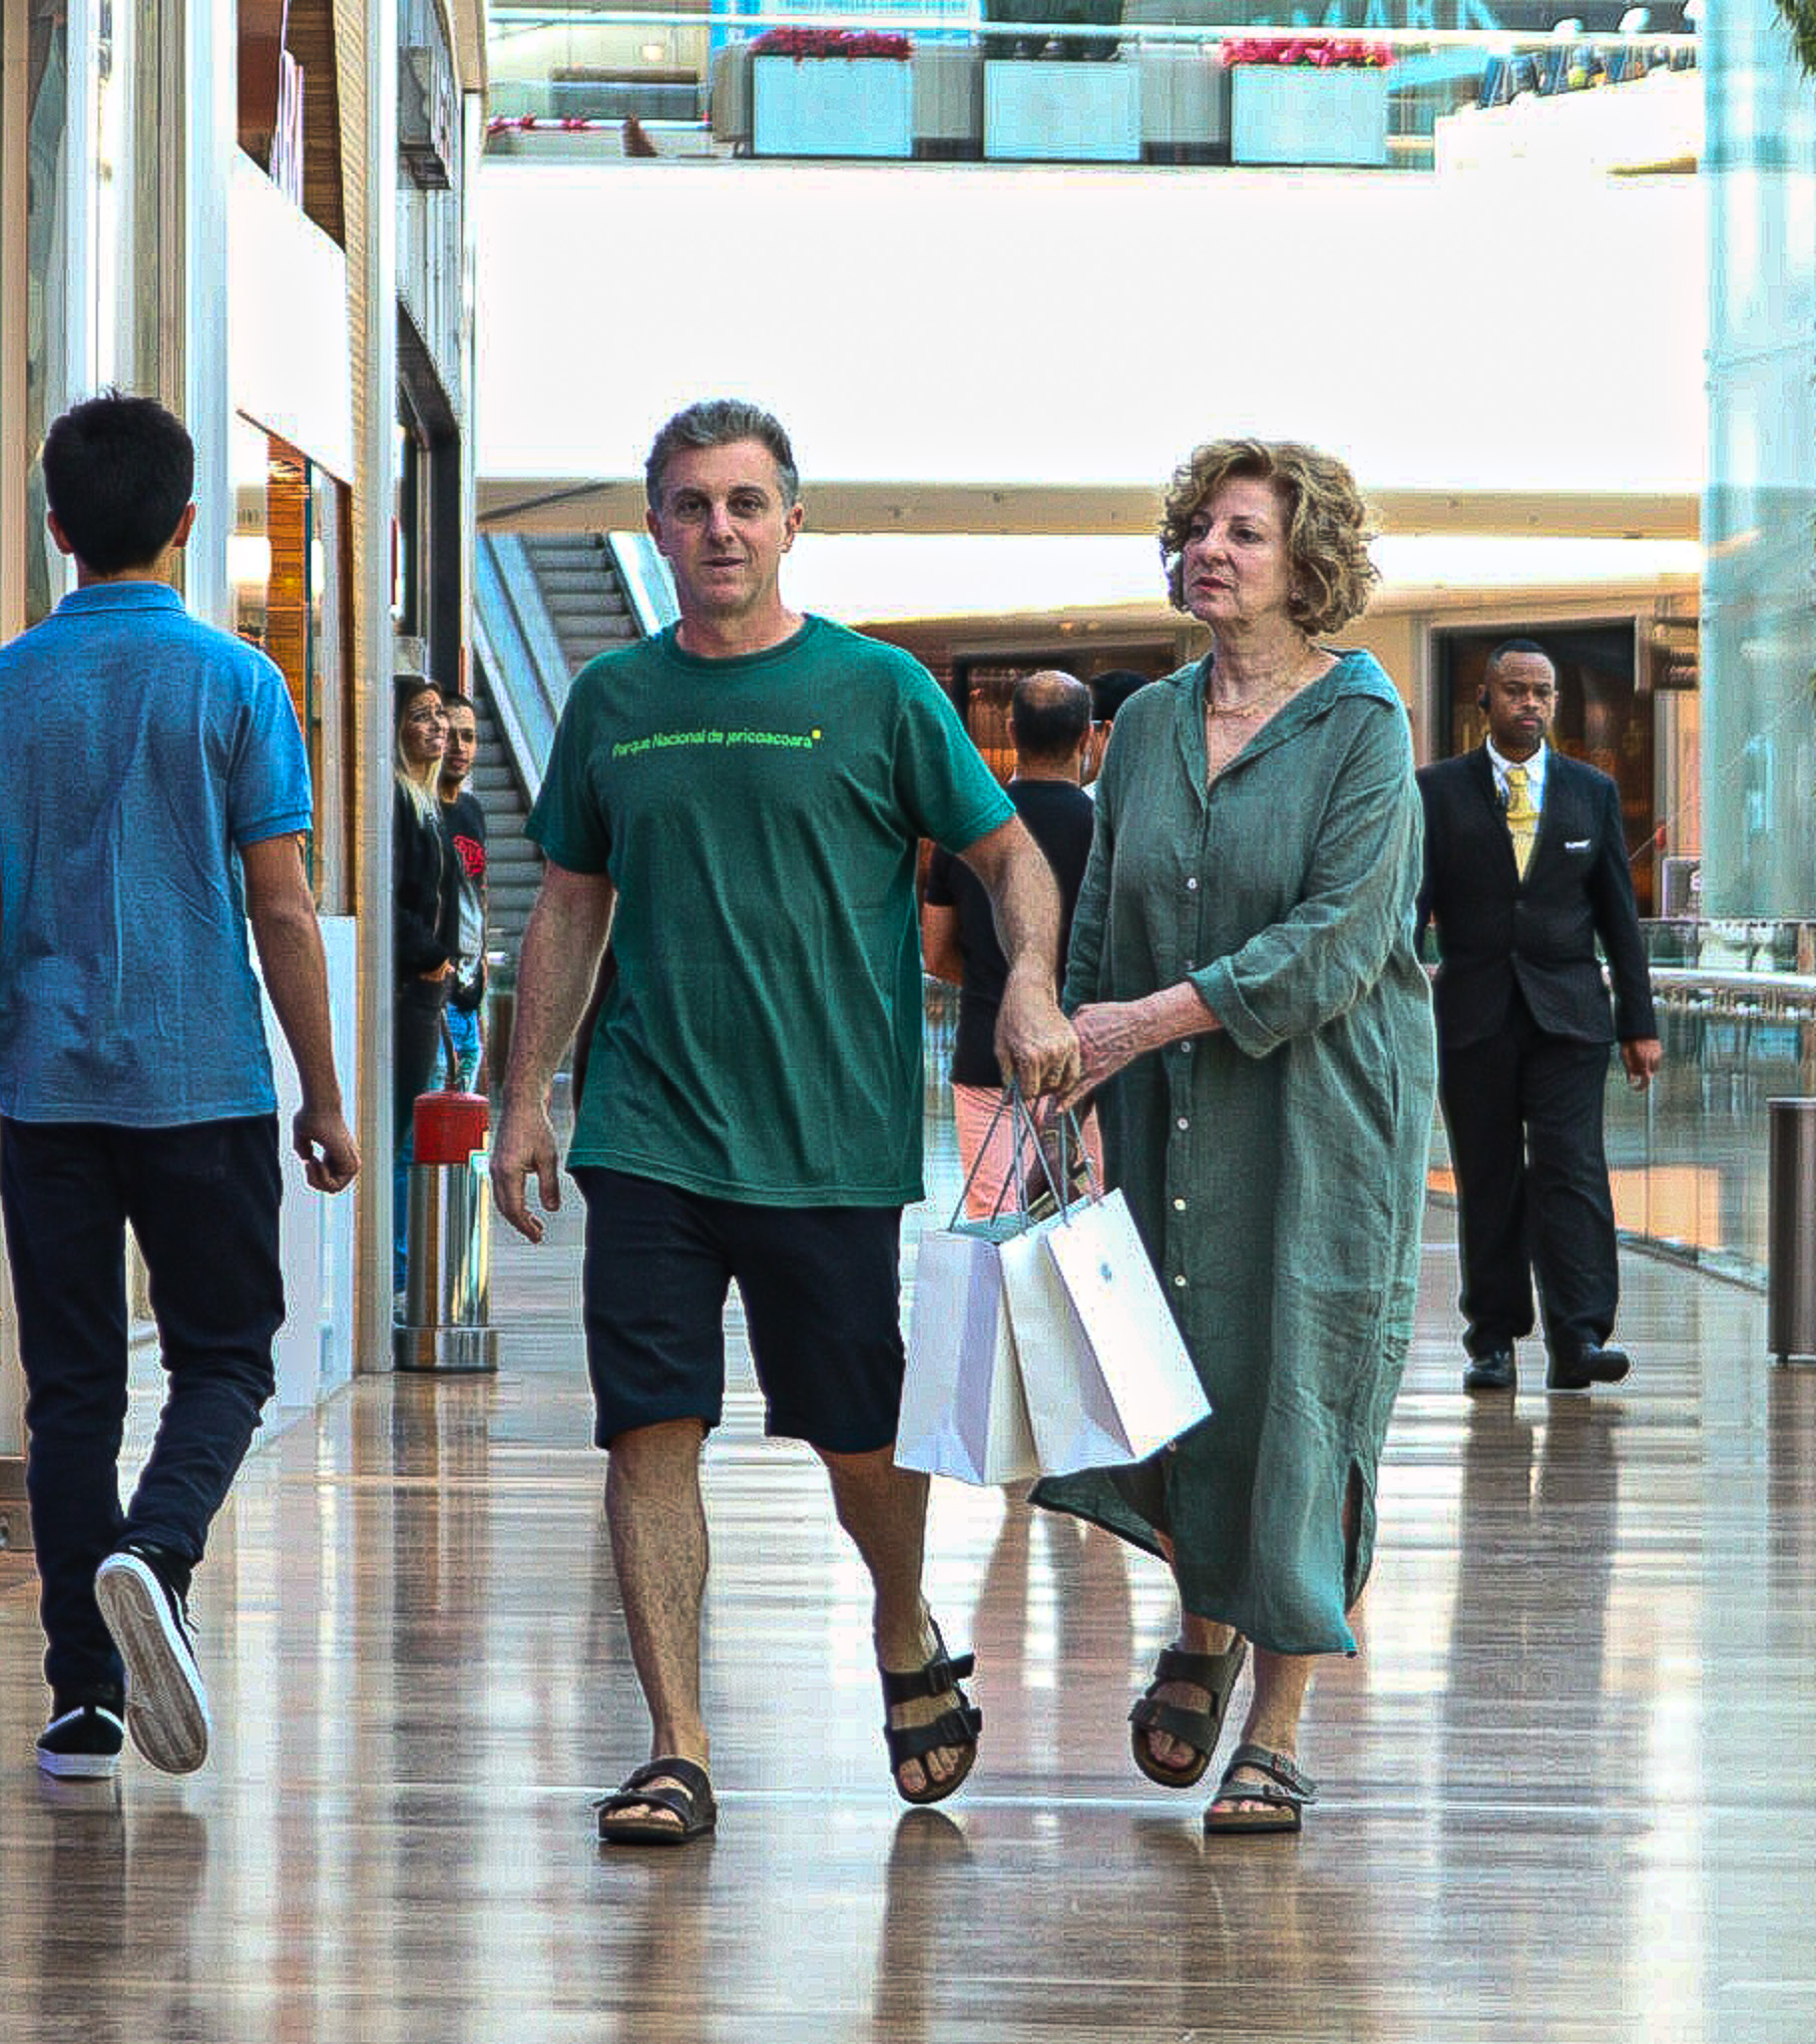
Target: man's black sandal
{"points": [[956, 1729], [692, 1801], [1200, 1730]]}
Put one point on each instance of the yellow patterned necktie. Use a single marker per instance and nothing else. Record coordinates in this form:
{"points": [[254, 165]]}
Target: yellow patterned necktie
{"points": [[1522, 817]]}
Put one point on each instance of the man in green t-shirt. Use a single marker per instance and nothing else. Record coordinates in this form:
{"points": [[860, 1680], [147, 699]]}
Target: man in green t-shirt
{"points": [[738, 802]]}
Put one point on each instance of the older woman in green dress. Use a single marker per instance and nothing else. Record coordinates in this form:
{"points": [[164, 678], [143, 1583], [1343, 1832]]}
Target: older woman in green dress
{"points": [[1246, 991]]}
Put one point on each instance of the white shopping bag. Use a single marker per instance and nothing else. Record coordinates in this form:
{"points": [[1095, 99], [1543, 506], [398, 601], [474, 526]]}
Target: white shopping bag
{"points": [[963, 1412], [1104, 1369]]}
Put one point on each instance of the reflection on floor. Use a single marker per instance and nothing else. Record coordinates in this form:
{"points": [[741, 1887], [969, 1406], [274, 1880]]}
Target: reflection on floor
{"points": [[1566, 1790]]}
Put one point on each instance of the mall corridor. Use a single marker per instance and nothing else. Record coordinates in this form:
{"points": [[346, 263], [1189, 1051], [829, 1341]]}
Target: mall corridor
{"points": [[1561, 1785]]}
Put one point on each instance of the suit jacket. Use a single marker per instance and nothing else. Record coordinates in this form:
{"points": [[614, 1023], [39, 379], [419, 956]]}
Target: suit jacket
{"points": [[1497, 931]]}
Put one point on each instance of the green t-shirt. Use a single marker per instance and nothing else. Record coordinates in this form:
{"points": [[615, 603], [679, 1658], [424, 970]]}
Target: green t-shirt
{"points": [[758, 818]]}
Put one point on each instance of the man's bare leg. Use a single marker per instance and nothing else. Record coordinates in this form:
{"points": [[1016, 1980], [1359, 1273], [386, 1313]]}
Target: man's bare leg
{"points": [[659, 1548], [884, 1509]]}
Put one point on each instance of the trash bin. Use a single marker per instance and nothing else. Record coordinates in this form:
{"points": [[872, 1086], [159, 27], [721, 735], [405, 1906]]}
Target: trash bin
{"points": [[1791, 1229], [449, 1230]]}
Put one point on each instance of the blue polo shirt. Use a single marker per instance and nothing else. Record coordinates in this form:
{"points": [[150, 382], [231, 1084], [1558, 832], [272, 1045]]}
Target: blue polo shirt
{"points": [[139, 751]]}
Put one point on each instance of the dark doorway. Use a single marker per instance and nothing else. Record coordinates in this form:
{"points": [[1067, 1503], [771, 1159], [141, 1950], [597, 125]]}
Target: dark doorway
{"points": [[1601, 717]]}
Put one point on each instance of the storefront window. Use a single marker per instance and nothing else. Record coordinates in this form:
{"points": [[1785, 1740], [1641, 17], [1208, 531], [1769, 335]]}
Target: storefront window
{"points": [[288, 564], [1604, 716]]}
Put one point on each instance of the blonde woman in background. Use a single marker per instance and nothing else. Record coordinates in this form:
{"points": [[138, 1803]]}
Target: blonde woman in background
{"points": [[425, 932]]}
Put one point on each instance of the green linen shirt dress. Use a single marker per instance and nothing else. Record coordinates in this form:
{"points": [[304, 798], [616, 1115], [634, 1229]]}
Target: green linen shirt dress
{"points": [[1276, 1167]]}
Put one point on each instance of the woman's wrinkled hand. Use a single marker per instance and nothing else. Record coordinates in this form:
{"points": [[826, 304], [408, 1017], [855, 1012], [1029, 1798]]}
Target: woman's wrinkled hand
{"points": [[1111, 1035]]}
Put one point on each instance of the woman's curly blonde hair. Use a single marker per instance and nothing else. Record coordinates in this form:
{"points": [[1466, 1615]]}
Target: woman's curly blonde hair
{"points": [[1327, 524]]}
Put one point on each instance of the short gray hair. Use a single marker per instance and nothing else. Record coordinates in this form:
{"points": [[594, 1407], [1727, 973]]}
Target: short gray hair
{"points": [[717, 422]]}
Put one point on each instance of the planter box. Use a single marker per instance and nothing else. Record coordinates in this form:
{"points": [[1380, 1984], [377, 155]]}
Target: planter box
{"points": [[948, 101], [832, 105], [1040, 112], [1185, 107], [729, 103], [1291, 114]]}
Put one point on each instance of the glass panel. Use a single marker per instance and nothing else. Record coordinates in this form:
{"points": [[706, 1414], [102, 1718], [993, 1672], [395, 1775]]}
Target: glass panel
{"points": [[1736, 1005], [128, 167], [93, 171], [1760, 182], [48, 234]]}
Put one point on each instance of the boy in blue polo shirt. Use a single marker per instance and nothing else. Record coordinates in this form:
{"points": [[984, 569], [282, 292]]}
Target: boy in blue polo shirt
{"points": [[153, 790]]}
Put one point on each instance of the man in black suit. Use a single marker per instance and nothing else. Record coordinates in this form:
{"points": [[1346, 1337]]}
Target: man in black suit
{"points": [[1525, 866]]}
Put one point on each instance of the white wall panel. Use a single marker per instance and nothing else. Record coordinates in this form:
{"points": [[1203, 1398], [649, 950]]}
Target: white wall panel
{"points": [[288, 340], [963, 324]]}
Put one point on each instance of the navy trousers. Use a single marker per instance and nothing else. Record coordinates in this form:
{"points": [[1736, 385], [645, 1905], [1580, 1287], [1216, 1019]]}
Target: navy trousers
{"points": [[203, 1200]]}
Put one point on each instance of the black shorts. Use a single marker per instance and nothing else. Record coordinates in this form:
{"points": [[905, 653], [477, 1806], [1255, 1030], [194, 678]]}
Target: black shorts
{"points": [[822, 1287]]}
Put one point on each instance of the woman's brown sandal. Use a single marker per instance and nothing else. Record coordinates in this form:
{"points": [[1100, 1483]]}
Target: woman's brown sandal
{"points": [[1200, 1730], [956, 1729], [1283, 1796]]}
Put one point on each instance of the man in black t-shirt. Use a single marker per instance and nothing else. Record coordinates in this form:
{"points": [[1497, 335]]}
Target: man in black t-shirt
{"points": [[1050, 724], [464, 823], [1108, 692]]}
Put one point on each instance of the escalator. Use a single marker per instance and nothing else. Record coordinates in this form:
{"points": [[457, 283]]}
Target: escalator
{"points": [[543, 606]]}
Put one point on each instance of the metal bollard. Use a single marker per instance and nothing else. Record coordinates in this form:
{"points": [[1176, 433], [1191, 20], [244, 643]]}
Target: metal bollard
{"points": [[1791, 1229], [446, 1299]]}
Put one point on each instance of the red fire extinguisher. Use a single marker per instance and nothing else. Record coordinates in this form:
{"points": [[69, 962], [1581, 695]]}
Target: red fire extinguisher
{"points": [[447, 1126]]}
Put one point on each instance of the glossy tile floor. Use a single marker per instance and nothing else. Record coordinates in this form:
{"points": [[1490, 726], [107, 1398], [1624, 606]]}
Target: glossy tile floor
{"points": [[1568, 1786]]}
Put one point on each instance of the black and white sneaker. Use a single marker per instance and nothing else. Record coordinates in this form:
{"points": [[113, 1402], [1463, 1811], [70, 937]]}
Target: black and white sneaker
{"points": [[81, 1741], [167, 1707]]}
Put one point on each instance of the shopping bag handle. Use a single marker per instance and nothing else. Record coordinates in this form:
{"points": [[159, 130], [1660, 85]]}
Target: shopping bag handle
{"points": [[1072, 1140], [1074, 1153], [1010, 1103]]}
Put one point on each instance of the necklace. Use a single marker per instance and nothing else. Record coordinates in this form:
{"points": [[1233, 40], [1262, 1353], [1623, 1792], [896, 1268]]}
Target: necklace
{"points": [[1310, 665], [1266, 700]]}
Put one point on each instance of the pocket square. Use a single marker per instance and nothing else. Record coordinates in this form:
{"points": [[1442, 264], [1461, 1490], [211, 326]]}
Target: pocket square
{"points": [[1576, 844]]}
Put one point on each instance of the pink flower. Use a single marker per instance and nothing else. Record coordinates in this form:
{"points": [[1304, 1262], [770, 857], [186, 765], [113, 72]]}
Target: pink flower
{"points": [[1319, 53], [807, 44]]}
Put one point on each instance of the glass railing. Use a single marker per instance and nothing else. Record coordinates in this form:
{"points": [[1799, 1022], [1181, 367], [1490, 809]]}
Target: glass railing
{"points": [[1737, 1008], [1687, 1158], [1078, 81]]}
